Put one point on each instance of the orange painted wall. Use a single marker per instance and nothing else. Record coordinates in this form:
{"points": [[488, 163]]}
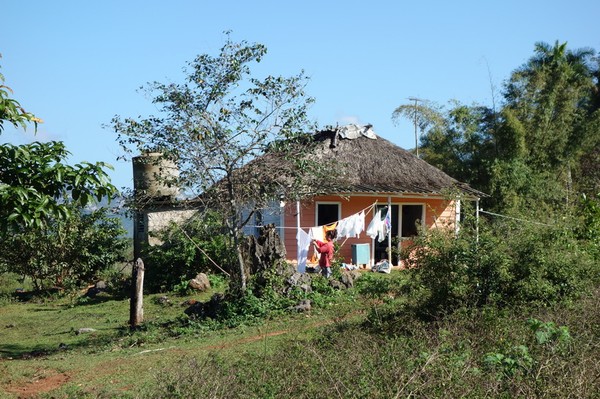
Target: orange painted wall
{"points": [[439, 213]]}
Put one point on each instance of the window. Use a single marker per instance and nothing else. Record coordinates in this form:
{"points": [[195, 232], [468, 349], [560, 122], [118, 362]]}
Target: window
{"points": [[381, 248], [412, 218], [327, 213]]}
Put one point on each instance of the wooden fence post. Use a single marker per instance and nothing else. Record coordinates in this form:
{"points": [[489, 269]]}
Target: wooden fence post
{"points": [[136, 306]]}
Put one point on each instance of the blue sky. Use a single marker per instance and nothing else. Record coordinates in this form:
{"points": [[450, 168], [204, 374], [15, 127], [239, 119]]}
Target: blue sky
{"points": [[76, 64]]}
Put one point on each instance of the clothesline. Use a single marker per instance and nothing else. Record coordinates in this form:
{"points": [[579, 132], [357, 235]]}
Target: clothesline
{"points": [[369, 208], [350, 226], [513, 218]]}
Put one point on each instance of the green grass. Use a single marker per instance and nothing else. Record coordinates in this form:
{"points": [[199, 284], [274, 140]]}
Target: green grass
{"points": [[41, 334], [362, 344]]}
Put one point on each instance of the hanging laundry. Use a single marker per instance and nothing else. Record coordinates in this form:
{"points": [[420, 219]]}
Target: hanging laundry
{"points": [[373, 228], [317, 233], [352, 225], [379, 227], [314, 259], [345, 226], [304, 240], [358, 224], [329, 227], [385, 227]]}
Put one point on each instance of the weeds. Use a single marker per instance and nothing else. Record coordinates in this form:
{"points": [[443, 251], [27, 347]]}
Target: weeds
{"points": [[516, 359], [471, 353]]}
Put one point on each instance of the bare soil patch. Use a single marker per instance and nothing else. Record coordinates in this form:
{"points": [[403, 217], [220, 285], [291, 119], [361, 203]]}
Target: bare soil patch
{"points": [[43, 381]]}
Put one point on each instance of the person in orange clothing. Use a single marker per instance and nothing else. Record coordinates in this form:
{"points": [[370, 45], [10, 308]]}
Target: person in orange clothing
{"points": [[326, 251]]}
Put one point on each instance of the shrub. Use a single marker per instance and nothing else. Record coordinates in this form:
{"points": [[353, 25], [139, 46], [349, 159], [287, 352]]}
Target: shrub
{"points": [[442, 271], [511, 263], [185, 252], [65, 253], [508, 364], [589, 228], [548, 264]]}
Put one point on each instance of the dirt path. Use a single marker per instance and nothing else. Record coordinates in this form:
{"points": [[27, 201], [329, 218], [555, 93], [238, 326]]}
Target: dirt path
{"points": [[44, 381]]}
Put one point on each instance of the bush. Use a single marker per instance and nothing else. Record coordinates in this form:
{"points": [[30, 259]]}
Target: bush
{"points": [[549, 265], [511, 263], [589, 228], [179, 257], [65, 253]]}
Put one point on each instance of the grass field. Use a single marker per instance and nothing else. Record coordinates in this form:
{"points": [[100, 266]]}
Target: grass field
{"points": [[354, 346], [42, 349]]}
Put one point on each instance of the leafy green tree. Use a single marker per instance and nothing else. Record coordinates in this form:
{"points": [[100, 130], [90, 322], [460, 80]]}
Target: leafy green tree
{"points": [[11, 111], [539, 149], [426, 115], [588, 172], [65, 253], [551, 115], [217, 124], [43, 234], [34, 180], [461, 144], [550, 96]]}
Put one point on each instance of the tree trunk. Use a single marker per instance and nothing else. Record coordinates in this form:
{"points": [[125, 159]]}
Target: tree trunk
{"points": [[232, 223], [241, 273], [136, 306]]}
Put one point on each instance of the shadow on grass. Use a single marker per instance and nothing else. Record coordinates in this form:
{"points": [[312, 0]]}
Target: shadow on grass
{"points": [[36, 295], [73, 340], [103, 297], [16, 351], [57, 294]]}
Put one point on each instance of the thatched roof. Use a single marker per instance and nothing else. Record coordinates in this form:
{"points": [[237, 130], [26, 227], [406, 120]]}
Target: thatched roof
{"points": [[359, 160], [379, 166]]}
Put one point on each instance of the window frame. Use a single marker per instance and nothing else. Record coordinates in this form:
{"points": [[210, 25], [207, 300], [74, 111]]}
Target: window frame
{"points": [[339, 211]]}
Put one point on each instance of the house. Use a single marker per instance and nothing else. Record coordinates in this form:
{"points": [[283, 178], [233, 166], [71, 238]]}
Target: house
{"points": [[371, 174]]}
